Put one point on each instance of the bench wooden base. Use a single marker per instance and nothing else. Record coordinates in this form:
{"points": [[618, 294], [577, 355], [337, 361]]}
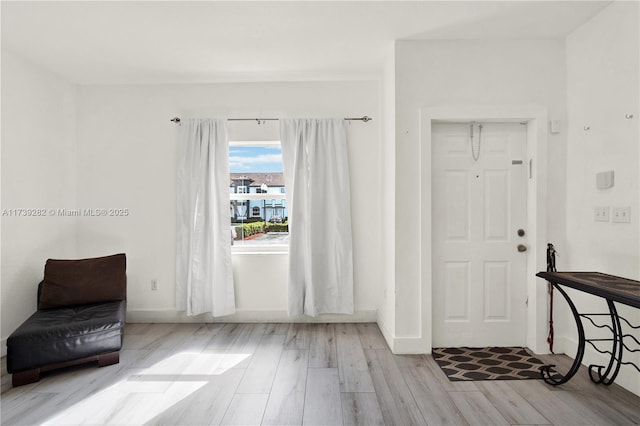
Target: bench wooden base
{"points": [[25, 377]]}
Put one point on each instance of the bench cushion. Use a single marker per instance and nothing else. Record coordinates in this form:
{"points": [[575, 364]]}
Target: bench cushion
{"points": [[58, 335], [80, 282]]}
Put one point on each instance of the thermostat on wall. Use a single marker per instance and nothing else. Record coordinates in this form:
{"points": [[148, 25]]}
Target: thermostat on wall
{"points": [[604, 180]]}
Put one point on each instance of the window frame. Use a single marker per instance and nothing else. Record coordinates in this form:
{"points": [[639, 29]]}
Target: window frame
{"points": [[258, 249]]}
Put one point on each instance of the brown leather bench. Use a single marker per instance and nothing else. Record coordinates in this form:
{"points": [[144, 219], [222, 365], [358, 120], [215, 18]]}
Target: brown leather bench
{"points": [[80, 318]]}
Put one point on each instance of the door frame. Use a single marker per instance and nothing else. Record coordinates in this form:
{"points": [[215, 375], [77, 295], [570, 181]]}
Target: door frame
{"points": [[537, 138]]}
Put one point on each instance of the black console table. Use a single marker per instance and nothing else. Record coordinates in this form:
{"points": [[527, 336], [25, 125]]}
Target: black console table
{"points": [[612, 289]]}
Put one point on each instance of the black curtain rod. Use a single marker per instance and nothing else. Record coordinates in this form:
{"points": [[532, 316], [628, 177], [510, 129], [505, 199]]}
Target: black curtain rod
{"points": [[259, 120]]}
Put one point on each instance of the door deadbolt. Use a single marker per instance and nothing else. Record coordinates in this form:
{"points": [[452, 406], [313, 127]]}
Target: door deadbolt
{"points": [[522, 248], [521, 232]]}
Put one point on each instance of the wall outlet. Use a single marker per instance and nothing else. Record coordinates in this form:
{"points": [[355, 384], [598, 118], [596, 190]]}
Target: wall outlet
{"points": [[601, 214], [621, 214], [154, 284]]}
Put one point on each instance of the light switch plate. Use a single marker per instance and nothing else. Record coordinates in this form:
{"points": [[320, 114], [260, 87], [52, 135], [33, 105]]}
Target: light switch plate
{"points": [[601, 214], [621, 214]]}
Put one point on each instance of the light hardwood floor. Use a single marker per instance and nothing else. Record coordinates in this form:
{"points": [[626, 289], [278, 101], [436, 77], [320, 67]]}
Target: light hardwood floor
{"points": [[292, 374]]}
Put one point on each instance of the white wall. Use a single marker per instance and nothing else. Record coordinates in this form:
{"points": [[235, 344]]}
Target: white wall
{"points": [[480, 73], [387, 311], [38, 172], [602, 87], [127, 159]]}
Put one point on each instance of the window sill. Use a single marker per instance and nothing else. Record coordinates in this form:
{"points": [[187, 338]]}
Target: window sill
{"points": [[253, 250]]}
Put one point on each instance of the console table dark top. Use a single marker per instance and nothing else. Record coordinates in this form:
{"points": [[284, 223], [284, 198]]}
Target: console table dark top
{"points": [[617, 289]]}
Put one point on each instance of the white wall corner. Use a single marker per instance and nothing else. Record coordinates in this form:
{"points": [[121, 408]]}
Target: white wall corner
{"points": [[404, 345], [386, 333], [410, 345], [426, 253]]}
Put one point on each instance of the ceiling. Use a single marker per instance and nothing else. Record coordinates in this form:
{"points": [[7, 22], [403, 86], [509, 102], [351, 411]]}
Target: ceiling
{"points": [[143, 42]]}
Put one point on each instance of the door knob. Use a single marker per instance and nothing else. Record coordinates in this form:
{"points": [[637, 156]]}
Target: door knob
{"points": [[522, 247]]}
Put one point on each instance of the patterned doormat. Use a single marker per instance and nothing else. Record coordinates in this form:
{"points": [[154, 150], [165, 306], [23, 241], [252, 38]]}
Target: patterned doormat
{"points": [[493, 363]]}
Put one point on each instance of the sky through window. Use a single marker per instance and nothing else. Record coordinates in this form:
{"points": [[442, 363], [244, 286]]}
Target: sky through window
{"points": [[255, 159]]}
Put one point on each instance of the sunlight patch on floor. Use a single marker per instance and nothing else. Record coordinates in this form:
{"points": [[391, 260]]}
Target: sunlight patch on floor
{"points": [[151, 391]]}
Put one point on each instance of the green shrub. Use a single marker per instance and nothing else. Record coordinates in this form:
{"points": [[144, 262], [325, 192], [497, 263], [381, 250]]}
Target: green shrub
{"points": [[277, 227], [248, 229]]}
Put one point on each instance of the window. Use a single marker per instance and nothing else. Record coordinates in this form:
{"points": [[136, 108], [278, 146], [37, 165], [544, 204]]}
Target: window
{"points": [[258, 207]]}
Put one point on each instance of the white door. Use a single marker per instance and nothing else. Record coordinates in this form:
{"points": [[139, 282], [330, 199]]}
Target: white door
{"points": [[479, 209]]}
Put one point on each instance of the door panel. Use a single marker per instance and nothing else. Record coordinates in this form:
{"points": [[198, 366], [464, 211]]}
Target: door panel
{"points": [[496, 205], [496, 294], [457, 205], [479, 277], [456, 290]]}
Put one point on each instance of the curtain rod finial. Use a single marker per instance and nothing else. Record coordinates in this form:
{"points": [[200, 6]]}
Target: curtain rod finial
{"points": [[176, 120]]}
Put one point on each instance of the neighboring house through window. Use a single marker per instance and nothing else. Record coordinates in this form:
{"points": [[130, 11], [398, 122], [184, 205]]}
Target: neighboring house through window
{"points": [[258, 210]]}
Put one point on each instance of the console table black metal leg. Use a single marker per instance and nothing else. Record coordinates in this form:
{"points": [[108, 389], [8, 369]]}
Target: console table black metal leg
{"points": [[557, 379], [609, 375]]}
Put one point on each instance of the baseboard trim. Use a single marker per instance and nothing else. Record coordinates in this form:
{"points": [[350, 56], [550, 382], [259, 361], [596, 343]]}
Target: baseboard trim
{"points": [[403, 345], [173, 316], [409, 346], [388, 336]]}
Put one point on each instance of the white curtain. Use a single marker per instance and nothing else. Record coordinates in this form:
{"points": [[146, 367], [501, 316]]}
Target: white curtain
{"points": [[316, 172], [204, 281]]}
